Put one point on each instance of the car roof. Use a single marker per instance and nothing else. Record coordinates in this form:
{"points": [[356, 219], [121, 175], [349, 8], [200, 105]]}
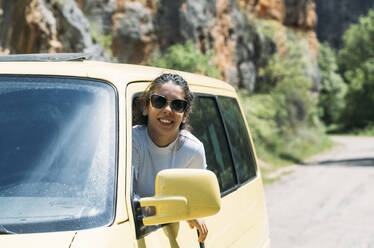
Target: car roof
{"points": [[77, 65]]}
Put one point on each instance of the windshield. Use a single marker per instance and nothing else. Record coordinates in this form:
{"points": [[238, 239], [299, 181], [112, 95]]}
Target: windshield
{"points": [[57, 154]]}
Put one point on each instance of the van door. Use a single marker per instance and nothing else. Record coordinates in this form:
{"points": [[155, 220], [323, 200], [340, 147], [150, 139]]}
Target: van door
{"points": [[242, 222], [173, 235]]}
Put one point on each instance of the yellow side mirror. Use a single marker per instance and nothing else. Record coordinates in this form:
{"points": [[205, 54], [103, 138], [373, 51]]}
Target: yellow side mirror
{"points": [[183, 194]]}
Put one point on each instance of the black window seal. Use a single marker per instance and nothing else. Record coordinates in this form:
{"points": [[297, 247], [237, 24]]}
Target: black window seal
{"points": [[215, 97], [235, 173], [254, 160], [238, 183], [237, 178]]}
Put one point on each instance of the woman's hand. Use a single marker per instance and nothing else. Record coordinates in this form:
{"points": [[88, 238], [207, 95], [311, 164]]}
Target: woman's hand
{"points": [[201, 226], [149, 211]]}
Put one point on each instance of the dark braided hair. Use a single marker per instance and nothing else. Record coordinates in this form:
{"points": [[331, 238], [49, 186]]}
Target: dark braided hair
{"points": [[144, 99]]}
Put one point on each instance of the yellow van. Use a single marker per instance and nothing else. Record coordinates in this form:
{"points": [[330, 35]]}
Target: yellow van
{"points": [[65, 161]]}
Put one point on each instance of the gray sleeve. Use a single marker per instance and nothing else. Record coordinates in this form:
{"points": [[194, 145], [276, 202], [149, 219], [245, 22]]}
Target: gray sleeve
{"points": [[198, 160]]}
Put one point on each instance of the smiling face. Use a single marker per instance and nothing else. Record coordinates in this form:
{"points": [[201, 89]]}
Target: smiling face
{"points": [[163, 124]]}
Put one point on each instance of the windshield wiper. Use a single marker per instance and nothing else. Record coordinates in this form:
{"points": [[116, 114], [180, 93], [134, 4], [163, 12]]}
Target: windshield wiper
{"points": [[3, 230]]}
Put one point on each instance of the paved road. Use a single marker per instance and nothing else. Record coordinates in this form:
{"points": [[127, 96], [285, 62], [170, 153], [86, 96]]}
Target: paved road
{"points": [[328, 202]]}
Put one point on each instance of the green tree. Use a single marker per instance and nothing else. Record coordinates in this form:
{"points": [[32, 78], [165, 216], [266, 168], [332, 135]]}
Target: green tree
{"points": [[333, 89], [358, 43], [186, 58], [356, 62], [286, 79]]}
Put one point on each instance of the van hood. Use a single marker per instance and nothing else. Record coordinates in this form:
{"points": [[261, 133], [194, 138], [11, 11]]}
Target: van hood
{"points": [[37, 240]]}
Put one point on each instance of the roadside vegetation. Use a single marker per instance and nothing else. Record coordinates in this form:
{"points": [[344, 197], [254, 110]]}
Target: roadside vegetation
{"points": [[356, 65], [285, 110], [186, 57], [349, 76], [289, 113]]}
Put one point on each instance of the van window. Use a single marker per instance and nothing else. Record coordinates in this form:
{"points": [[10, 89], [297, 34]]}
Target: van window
{"points": [[208, 127], [238, 137], [57, 153]]}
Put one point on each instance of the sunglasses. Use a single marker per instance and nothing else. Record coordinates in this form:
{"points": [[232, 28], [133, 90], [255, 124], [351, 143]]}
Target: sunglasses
{"points": [[177, 105]]}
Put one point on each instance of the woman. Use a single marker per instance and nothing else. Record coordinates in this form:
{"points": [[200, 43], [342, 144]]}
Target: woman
{"points": [[162, 141]]}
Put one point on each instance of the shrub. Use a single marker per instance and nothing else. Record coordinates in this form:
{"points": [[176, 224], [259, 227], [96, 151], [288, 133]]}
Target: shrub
{"points": [[331, 100], [283, 113], [356, 62], [274, 143], [186, 58], [98, 36], [358, 44], [286, 79]]}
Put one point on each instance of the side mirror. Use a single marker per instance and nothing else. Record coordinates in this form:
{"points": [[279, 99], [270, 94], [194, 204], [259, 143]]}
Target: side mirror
{"points": [[183, 194]]}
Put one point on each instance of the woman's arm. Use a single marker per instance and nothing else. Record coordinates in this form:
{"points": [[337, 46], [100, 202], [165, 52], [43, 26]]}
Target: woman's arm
{"points": [[201, 227]]}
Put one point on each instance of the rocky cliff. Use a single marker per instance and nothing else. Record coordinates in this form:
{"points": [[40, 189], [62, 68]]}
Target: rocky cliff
{"points": [[335, 16], [129, 30]]}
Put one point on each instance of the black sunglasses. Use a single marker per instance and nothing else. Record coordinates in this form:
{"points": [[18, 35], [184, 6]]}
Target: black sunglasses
{"points": [[177, 105]]}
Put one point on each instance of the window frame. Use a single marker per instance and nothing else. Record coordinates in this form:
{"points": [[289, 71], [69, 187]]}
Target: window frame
{"points": [[252, 152], [238, 184], [219, 112]]}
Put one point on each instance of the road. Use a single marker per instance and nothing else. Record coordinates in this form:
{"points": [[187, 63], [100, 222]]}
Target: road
{"points": [[328, 202]]}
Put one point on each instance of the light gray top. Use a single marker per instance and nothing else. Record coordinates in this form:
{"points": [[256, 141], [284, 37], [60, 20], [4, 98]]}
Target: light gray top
{"points": [[148, 159]]}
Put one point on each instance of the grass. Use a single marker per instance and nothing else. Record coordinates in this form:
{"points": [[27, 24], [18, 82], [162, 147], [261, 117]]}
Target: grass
{"points": [[277, 149], [337, 130], [270, 177], [276, 165], [367, 131]]}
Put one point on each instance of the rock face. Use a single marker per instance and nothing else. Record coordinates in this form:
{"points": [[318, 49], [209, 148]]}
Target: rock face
{"points": [[31, 26], [99, 13], [134, 33], [130, 30], [34, 31], [300, 14], [335, 16]]}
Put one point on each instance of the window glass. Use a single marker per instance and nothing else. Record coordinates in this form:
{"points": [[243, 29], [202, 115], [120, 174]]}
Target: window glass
{"points": [[57, 153], [208, 127], [239, 138]]}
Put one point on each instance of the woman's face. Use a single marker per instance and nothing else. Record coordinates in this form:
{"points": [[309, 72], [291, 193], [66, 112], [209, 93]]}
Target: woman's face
{"points": [[163, 124]]}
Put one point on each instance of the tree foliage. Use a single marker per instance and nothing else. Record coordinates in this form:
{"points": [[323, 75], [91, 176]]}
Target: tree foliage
{"points": [[286, 79], [333, 89], [186, 57], [283, 113], [356, 62]]}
